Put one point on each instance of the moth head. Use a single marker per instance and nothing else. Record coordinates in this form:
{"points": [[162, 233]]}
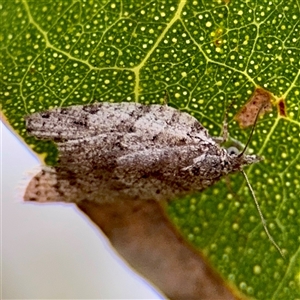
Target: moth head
{"points": [[242, 159]]}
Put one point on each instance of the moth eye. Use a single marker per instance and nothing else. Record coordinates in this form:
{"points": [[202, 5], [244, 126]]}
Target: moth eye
{"points": [[232, 150]]}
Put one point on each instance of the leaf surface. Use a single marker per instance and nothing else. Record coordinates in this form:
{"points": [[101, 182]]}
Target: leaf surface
{"points": [[206, 55]]}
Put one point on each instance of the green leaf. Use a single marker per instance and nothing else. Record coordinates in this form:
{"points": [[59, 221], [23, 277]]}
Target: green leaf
{"points": [[205, 54]]}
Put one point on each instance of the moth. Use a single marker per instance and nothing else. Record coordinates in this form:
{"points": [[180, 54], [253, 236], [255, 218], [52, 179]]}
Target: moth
{"points": [[127, 151]]}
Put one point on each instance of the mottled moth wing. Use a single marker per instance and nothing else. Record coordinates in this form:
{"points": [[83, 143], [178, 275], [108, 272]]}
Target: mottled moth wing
{"points": [[77, 122], [126, 151], [105, 131]]}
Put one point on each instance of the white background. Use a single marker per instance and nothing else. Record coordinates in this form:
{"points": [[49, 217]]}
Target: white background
{"points": [[52, 250]]}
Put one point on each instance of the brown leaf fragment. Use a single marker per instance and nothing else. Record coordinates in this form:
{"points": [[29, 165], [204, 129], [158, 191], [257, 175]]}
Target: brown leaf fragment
{"points": [[143, 235], [260, 99], [282, 108]]}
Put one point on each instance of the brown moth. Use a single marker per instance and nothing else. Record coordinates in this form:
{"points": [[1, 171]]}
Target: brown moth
{"points": [[120, 151], [111, 151]]}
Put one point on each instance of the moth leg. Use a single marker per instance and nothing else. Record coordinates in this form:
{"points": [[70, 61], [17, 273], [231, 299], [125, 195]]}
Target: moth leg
{"points": [[225, 127], [166, 98], [224, 137]]}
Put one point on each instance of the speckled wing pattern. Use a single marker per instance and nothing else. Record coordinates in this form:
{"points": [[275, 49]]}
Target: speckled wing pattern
{"points": [[111, 151]]}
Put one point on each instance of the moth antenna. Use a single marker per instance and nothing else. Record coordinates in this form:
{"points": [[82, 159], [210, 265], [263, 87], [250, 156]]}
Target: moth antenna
{"points": [[251, 133], [261, 215]]}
